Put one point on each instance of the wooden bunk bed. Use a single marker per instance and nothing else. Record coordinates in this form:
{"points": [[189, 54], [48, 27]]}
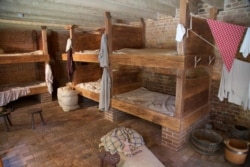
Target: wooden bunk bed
{"points": [[86, 79], [190, 62], [38, 56]]}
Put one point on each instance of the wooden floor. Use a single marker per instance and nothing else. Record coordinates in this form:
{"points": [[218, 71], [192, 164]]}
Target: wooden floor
{"points": [[71, 139]]}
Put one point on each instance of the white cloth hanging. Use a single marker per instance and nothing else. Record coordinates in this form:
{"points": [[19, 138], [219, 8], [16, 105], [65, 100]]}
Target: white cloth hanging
{"points": [[235, 85], [245, 46], [225, 83], [49, 78], [68, 45], [103, 53], [239, 93], [180, 32], [104, 98]]}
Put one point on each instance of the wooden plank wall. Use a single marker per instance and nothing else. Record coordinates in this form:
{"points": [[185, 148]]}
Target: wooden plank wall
{"points": [[126, 79], [127, 37], [86, 41], [196, 92], [195, 46], [87, 73]]}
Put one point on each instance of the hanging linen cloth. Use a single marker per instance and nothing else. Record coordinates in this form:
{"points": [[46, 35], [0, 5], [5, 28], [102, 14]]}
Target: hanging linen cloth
{"points": [[70, 63], [180, 32], [245, 46], [239, 93], [227, 37], [104, 98], [225, 83], [49, 77], [235, 84]]}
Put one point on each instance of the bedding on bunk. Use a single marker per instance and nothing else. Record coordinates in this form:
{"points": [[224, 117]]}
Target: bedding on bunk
{"points": [[146, 51], [151, 100], [12, 93], [88, 52], [38, 52], [94, 86]]}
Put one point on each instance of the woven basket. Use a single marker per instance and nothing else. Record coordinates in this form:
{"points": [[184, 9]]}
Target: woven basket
{"points": [[206, 141]]}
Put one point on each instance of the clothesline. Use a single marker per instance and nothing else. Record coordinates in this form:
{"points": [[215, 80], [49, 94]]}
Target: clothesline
{"points": [[203, 39]]}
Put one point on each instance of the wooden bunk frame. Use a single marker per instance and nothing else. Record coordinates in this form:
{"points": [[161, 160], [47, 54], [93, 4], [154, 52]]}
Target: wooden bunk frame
{"points": [[88, 72], [192, 90], [30, 58], [79, 57]]}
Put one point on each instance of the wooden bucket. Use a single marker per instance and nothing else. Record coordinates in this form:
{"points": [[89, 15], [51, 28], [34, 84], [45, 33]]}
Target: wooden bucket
{"points": [[206, 141], [236, 151]]}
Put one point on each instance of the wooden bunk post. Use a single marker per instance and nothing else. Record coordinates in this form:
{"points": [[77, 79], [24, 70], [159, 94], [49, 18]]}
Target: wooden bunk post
{"points": [[108, 31], [143, 33], [181, 78], [180, 86], [184, 22], [213, 13], [44, 40], [71, 36]]}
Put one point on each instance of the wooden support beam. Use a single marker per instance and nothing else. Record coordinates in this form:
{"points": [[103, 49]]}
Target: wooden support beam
{"points": [[184, 20], [108, 31], [213, 13], [44, 40], [143, 33], [180, 87]]}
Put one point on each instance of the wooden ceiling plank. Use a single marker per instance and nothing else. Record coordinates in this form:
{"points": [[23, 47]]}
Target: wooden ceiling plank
{"points": [[100, 4]]}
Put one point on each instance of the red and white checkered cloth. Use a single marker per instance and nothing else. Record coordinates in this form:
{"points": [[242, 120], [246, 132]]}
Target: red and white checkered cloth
{"points": [[227, 38]]}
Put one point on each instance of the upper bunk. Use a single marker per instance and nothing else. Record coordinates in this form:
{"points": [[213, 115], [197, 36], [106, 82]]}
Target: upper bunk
{"points": [[127, 45], [85, 45], [22, 71], [37, 55]]}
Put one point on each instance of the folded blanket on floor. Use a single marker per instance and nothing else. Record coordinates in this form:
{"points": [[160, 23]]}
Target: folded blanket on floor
{"points": [[115, 140]]}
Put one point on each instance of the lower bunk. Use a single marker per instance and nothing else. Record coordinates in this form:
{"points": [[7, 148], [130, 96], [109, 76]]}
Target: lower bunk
{"points": [[87, 79], [178, 113], [90, 90], [13, 92]]}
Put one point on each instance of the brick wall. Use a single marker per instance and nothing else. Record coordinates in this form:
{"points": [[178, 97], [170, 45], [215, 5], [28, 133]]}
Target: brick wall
{"points": [[155, 80], [161, 33]]}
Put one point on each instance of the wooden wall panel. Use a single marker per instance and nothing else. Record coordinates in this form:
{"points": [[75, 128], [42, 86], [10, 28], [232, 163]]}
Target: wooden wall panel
{"points": [[126, 37], [87, 73], [18, 41], [196, 101], [86, 41], [195, 46], [125, 80]]}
